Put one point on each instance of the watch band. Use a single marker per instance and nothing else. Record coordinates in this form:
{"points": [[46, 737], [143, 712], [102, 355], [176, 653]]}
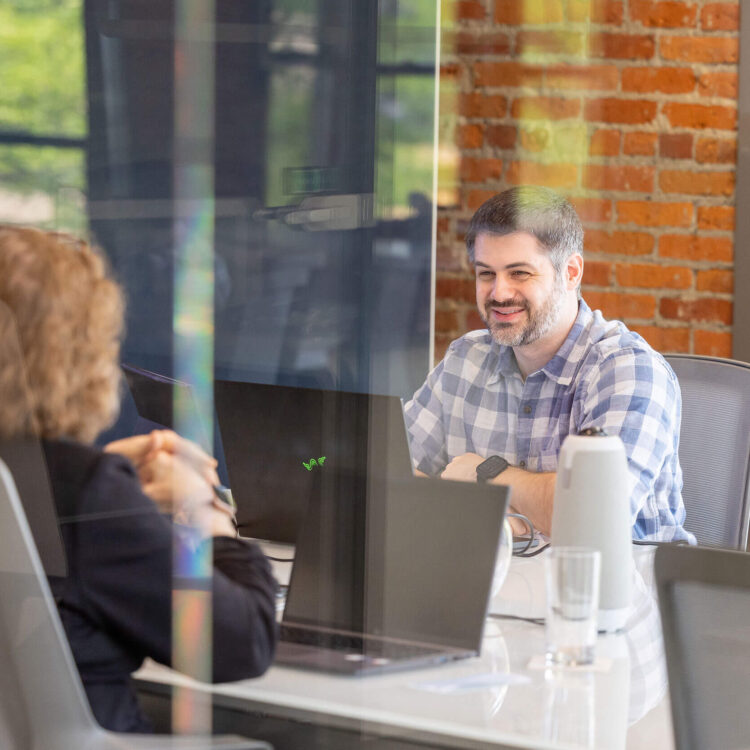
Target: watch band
{"points": [[490, 468]]}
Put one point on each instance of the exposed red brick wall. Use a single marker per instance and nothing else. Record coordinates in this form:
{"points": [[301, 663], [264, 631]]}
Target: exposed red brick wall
{"points": [[628, 107]]}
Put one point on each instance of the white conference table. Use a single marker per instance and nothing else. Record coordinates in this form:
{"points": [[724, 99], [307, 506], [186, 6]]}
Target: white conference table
{"points": [[501, 698]]}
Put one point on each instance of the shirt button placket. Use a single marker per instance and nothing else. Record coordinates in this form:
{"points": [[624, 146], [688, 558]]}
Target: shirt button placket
{"points": [[525, 421]]}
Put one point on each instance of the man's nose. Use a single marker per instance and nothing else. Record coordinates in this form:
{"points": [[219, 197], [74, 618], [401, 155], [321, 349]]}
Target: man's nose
{"points": [[503, 289]]}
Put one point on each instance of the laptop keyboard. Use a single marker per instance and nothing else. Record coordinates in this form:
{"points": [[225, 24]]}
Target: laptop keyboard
{"points": [[373, 648]]}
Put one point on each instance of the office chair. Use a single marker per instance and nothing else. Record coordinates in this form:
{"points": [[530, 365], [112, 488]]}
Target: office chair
{"points": [[704, 599], [42, 703], [715, 448]]}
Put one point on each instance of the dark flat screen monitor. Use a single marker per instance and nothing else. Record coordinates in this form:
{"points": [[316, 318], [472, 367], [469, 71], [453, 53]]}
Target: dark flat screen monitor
{"points": [[278, 438]]}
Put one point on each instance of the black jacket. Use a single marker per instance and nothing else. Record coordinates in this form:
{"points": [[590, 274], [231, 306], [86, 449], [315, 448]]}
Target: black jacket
{"points": [[116, 602]]}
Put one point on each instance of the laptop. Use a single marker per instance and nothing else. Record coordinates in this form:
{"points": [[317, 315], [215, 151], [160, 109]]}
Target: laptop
{"points": [[278, 439], [390, 573], [154, 397]]}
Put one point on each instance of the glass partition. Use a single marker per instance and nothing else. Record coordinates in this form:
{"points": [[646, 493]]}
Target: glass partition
{"points": [[323, 186], [261, 175], [261, 178]]}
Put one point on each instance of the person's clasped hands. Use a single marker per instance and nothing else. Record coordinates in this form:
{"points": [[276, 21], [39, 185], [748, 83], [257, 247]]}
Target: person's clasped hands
{"points": [[179, 476]]}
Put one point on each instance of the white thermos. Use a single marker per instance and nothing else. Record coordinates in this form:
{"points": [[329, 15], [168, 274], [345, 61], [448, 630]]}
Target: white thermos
{"points": [[592, 509]]}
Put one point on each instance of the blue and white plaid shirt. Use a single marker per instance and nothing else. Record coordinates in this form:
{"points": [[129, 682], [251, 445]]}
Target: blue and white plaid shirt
{"points": [[475, 401]]}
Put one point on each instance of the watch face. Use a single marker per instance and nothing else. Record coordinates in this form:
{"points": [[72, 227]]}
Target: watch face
{"points": [[491, 467]]}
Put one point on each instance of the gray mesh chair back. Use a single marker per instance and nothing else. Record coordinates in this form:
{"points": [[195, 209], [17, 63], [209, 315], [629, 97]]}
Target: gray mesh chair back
{"points": [[704, 599], [42, 703], [715, 447]]}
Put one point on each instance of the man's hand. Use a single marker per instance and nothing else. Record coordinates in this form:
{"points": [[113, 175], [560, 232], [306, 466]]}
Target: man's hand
{"points": [[463, 468]]}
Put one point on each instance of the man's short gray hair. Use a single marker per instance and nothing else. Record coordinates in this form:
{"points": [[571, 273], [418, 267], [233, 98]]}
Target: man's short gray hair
{"points": [[538, 211]]}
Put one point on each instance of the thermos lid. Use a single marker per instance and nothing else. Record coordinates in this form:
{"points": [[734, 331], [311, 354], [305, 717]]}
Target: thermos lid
{"points": [[593, 432]]}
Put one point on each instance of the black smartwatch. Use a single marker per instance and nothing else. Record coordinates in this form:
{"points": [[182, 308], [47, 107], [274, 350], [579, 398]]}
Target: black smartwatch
{"points": [[490, 468]]}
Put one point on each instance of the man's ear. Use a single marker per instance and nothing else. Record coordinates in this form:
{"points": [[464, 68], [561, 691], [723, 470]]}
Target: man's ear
{"points": [[574, 271]]}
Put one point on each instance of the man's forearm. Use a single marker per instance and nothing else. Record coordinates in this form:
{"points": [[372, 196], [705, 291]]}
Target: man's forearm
{"points": [[532, 495]]}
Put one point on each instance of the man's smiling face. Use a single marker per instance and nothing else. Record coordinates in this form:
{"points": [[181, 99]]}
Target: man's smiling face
{"points": [[519, 293]]}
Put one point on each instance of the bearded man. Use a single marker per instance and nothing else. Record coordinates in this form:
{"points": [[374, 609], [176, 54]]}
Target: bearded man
{"points": [[500, 404]]}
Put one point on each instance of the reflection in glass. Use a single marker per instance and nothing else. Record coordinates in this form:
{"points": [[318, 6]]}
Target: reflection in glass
{"points": [[42, 114], [41, 47], [43, 186], [569, 703], [323, 186]]}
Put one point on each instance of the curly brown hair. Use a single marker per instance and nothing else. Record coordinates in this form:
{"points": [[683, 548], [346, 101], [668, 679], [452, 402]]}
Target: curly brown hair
{"points": [[60, 327]]}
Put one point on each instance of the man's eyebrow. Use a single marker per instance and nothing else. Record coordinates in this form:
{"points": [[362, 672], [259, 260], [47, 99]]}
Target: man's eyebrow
{"points": [[519, 264]]}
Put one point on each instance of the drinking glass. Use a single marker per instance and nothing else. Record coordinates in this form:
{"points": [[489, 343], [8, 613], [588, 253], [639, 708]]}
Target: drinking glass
{"points": [[572, 576]]}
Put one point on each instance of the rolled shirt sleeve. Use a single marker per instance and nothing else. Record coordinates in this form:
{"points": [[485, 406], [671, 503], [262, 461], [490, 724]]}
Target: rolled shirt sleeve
{"points": [[424, 425], [634, 394]]}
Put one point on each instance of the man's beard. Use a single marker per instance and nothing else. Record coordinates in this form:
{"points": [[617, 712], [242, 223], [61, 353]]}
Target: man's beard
{"points": [[540, 321]]}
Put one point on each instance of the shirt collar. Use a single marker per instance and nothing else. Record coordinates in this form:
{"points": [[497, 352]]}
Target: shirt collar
{"points": [[562, 367], [506, 365]]}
